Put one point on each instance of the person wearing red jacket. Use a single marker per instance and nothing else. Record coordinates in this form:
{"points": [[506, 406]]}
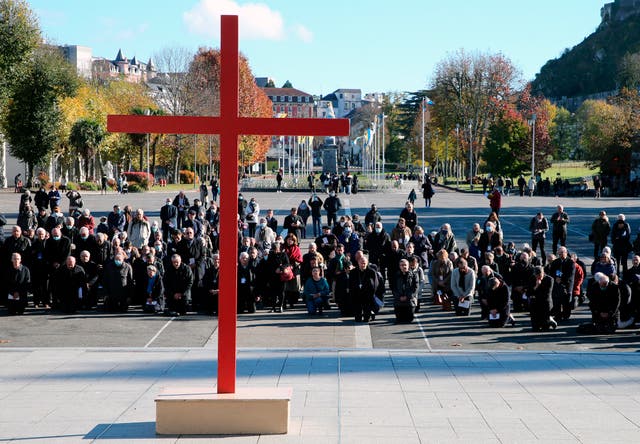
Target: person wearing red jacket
{"points": [[292, 287], [495, 200]]}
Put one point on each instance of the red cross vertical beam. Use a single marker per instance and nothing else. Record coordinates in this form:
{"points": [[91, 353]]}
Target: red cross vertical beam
{"points": [[229, 125]]}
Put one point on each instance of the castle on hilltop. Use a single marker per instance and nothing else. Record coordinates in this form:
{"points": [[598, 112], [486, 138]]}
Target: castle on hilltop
{"points": [[619, 10]]}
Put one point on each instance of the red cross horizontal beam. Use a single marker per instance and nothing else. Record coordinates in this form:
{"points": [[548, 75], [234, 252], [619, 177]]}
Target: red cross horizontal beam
{"points": [[257, 126]]}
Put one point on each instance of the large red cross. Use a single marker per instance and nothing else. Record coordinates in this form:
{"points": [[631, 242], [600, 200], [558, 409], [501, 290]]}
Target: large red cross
{"points": [[229, 125]]}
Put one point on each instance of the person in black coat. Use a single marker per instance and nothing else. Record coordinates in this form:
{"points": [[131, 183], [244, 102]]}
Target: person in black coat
{"points": [[246, 278], [293, 223], [410, 216], [541, 300], [427, 191], [563, 271], [326, 243], [315, 203], [118, 284], [39, 270], [372, 216], [604, 302], [17, 281], [84, 242], [363, 283], [168, 218], [57, 249], [41, 199], [559, 221], [210, 285], [90, 290], [193, 254], [498, 303], [16, 243], [272, 222], [67, 283], [153, 290], [272, 288], [181, 202], [405, 293], [178, 281], [332, 205]]}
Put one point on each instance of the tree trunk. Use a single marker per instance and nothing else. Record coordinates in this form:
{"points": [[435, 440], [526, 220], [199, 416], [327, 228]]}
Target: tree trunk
{"points": [[141, 168], [153, 155], [176, 161]]}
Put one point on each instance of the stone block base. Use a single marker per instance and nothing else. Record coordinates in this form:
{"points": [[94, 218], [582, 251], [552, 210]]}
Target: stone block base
{"points": [[202, 411]]}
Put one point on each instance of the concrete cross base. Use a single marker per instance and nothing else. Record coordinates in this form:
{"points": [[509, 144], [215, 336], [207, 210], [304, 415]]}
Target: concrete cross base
{"points": [[202, 411]]}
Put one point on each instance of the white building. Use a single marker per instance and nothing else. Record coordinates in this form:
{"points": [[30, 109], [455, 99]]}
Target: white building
{"points": [[344, 100]]}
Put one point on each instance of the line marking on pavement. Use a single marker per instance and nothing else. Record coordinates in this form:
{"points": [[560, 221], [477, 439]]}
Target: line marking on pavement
{"points": [[159, 332], [424, 334], [212, 342], [347, 206], [363, 336]]}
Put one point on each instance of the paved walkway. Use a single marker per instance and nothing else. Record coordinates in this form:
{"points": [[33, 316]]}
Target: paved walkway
{"points": [[339, 396]]}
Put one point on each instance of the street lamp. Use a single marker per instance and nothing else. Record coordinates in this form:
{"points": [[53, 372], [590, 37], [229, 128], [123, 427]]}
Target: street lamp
{"points": [[471, 156], [532, 122], [457, 155]]}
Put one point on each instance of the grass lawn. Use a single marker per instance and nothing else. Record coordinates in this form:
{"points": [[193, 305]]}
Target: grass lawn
{"points": [[570, 170]]}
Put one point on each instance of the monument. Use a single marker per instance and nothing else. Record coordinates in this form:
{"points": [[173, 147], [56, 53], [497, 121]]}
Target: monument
{"points": [[227, 411]]}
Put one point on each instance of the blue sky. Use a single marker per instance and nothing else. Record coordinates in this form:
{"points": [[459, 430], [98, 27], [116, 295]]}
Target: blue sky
{"points": [[374, 45]]}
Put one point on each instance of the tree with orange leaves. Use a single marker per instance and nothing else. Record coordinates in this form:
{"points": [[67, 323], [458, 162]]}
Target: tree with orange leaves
{"points": [[204, 73]]}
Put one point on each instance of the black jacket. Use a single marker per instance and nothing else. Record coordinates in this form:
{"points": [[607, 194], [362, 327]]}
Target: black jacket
{"points": [[178, 280]]}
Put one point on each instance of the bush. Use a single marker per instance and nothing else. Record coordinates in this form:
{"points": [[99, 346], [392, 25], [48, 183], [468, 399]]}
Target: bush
{"points": [[141, 178], [89, 186], [70, 186], [187, 176], [111, 183], [135, 188]]}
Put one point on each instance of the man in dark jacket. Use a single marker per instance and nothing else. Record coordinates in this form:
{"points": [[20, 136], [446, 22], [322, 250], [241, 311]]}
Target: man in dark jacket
{"points": [[192, 253], [57, 249], [293, 223], [168, 218], [17, 280], [315, 203], [115, 221], [326, 243], [405, 293], [67, 283], [118, 284], [563, 271], [559, 222], [604, 302], [16, 243], [181, 202], [332, 205], [541, 301], [178, 280], [372, 216], [85, 242], [363, 283], [41, 199], [246, 278], [90, 291]]}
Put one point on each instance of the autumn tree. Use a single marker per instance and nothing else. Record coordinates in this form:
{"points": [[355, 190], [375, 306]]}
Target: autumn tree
{"points": [[204, 75], [603, 132], [471, 90]]}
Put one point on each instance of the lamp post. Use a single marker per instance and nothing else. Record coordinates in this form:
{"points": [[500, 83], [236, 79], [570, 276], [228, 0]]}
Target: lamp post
{"points": [[383, 160], [532, 122], [195, 160]]}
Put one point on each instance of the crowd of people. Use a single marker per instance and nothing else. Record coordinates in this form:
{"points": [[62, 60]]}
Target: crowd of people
{"points": [[171, 265]]}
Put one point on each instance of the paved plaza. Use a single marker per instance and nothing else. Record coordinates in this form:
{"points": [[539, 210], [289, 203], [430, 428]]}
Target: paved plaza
{"points": [[93, 376]]}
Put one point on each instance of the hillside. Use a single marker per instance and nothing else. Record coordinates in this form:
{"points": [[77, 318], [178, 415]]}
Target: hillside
{"points": [[591, 66]]}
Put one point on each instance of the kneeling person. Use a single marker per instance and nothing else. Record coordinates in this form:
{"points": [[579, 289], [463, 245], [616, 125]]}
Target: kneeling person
{"points": [[316, 291], [405, 293]]}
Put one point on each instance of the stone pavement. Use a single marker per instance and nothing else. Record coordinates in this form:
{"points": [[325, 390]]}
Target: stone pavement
{"points": [[76, 395]]}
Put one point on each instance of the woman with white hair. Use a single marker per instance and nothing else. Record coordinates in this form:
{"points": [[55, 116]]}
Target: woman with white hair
{"points": [[621, 241]]}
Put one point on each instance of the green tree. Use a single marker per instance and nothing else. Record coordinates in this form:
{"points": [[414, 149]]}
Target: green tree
{"points": [[629, 71], [19, 36], [505, 150], [86, 137], [287, 84], [33, 115], [564, 136]]}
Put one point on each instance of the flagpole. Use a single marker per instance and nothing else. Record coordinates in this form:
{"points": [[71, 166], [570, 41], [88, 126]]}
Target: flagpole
{"points": [[423, 171]]}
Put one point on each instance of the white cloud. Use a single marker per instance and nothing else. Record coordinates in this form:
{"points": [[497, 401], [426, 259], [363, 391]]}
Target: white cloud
{"points": [[256, 20], [303, 33]]}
